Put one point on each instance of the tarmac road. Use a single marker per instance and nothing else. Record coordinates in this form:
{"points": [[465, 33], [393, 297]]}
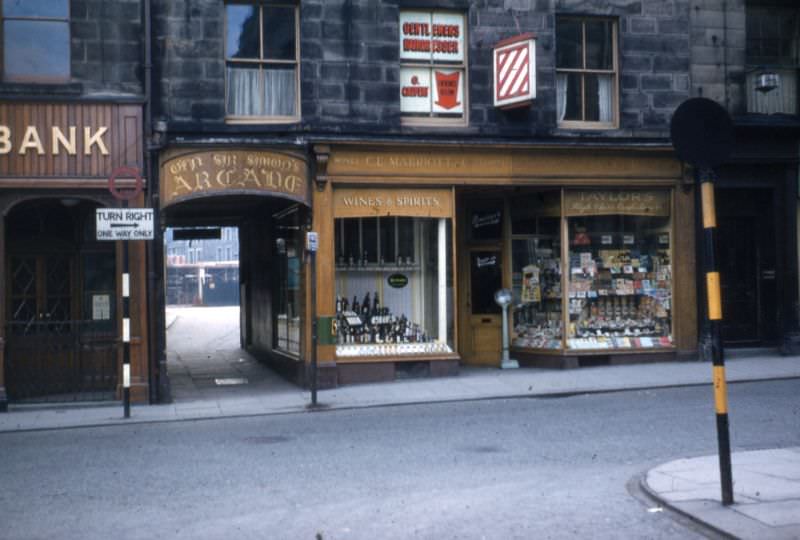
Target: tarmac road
{"points": [[496, 469]]}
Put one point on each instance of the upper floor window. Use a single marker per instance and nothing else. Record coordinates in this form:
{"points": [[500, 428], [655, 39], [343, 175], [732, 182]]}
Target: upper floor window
{"points": [[433, 67], [36, 44], [772, 51], [586, 72], [261, 61]]}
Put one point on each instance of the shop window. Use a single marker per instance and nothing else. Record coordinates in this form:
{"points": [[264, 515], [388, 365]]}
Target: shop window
{"points": [[620, 271], [616, 270], [536, 270], [261, 61], [586, 72], [433, 67], [287, 298], [393, 286], [773, 56], [36, 41]]}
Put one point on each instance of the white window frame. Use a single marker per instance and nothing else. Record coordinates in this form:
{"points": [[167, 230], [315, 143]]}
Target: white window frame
{"points": [[432, 119], [263, 119]]}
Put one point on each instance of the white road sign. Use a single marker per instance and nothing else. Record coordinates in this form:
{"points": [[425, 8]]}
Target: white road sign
{"points": [[124, 223]]}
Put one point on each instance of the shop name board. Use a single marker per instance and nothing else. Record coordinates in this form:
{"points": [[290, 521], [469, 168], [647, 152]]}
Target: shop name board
{"points": [[360, 202], [626, 202], [53, 140], [218, 172], [400, 201]]}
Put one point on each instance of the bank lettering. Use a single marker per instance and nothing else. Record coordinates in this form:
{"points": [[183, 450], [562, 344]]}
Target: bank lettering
{"points": [[54, 140]]}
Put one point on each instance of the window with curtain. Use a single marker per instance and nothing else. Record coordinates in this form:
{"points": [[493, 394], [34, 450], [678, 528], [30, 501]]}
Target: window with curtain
{"points": [[586, 72], [772, 47], [261, 61], [36, 41]]}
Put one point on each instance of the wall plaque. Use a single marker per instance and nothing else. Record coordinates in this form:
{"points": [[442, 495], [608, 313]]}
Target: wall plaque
{"points": [[226, 172]]}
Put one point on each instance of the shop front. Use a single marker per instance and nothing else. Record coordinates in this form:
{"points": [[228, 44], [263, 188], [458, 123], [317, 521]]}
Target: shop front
{"points": [[60, 322], [597, 247]]}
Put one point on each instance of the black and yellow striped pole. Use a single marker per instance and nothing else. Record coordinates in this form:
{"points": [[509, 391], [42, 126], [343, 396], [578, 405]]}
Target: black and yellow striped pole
{"points": [[714, 314]]}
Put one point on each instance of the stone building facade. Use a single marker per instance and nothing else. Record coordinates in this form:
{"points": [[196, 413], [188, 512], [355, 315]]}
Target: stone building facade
{"points": [[72, 96]]}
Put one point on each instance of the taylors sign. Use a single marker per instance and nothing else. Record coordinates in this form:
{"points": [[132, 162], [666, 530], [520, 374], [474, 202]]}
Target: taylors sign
{"points": [[426, 38], [515, 71]]}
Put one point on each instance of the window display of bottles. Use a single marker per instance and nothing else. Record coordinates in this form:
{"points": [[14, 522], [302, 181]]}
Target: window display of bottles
{"points": [[382, 332], [388, 299]]}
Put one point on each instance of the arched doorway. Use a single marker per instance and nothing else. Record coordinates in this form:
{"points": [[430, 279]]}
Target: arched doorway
{"points": [[60, 307]]}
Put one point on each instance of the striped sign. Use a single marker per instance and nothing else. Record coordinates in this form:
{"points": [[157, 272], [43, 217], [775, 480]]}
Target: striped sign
{"points": [[515, 71]]}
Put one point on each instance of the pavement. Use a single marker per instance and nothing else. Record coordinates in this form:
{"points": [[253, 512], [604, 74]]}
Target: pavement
{"points": [[221, 382]]}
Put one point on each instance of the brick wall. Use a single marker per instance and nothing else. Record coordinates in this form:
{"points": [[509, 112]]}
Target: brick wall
{"points": [[718, 57], [107, 45], [350, 64]]}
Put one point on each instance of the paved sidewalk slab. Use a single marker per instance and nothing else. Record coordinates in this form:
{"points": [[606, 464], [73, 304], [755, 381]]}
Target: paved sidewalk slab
{"points": [[766, 492], [198, 398]]}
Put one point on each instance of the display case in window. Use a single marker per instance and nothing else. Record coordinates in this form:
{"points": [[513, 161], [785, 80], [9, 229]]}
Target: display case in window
{"points": [[620, 281], [392, 286], [536, 271]]}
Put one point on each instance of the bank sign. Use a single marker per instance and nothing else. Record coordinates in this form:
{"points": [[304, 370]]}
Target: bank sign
{"points": [[431, 38]]}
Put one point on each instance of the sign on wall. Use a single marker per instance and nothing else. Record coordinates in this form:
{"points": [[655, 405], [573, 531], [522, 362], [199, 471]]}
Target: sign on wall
{"points": [[515, 71], [218, 172], [434, 41]]}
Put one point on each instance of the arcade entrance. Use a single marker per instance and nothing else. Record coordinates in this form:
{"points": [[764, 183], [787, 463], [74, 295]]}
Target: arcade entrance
{"points": [[234, 281]]}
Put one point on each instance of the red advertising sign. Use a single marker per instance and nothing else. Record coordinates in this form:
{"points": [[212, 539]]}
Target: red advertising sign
{"points": [[447, 86], [515, 71]]}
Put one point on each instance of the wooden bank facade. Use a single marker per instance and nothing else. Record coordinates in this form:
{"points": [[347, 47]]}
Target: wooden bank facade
{"points": [[596, 245], [60, 320]]}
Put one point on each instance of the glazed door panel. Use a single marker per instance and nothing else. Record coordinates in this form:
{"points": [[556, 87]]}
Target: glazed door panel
{"points": [[42, 337], [486, 277]]}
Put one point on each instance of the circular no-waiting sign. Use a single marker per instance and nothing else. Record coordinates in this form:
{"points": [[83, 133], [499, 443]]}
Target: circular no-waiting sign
{"points": [[125, 194]]}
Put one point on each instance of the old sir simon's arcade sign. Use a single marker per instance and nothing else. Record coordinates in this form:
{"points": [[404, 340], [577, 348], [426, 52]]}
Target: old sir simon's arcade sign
{"points": [[189, 176]]}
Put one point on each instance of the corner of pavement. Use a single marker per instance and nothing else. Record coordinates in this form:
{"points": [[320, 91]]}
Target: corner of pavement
{"points": [[766, 493]]}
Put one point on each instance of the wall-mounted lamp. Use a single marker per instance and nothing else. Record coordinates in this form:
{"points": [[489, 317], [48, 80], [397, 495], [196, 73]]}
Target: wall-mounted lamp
{"points": [[767, 81]]}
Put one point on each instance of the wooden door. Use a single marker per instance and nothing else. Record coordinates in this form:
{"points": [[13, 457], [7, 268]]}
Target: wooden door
{"points": [[41, 333], [485, 317], [739, 260]]}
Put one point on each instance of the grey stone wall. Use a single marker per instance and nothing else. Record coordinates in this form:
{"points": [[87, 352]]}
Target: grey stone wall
{"points": [[718, 52], [107, 46], [350, 64]]}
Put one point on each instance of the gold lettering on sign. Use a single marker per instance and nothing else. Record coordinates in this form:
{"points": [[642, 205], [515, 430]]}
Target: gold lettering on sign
{"points": [[32, 140], [90, 140], [607, 202], [215, 172], [5, 140], [57, 137]]}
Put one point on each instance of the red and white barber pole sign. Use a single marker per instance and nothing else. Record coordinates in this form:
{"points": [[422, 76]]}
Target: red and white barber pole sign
{"points": [[515, 71]]}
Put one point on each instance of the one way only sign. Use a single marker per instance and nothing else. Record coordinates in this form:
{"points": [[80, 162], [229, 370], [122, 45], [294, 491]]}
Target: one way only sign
{"points": [[124, 223]]}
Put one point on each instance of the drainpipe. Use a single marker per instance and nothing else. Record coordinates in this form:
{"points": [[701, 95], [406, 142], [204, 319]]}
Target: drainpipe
{"points": [[158, 381]]}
